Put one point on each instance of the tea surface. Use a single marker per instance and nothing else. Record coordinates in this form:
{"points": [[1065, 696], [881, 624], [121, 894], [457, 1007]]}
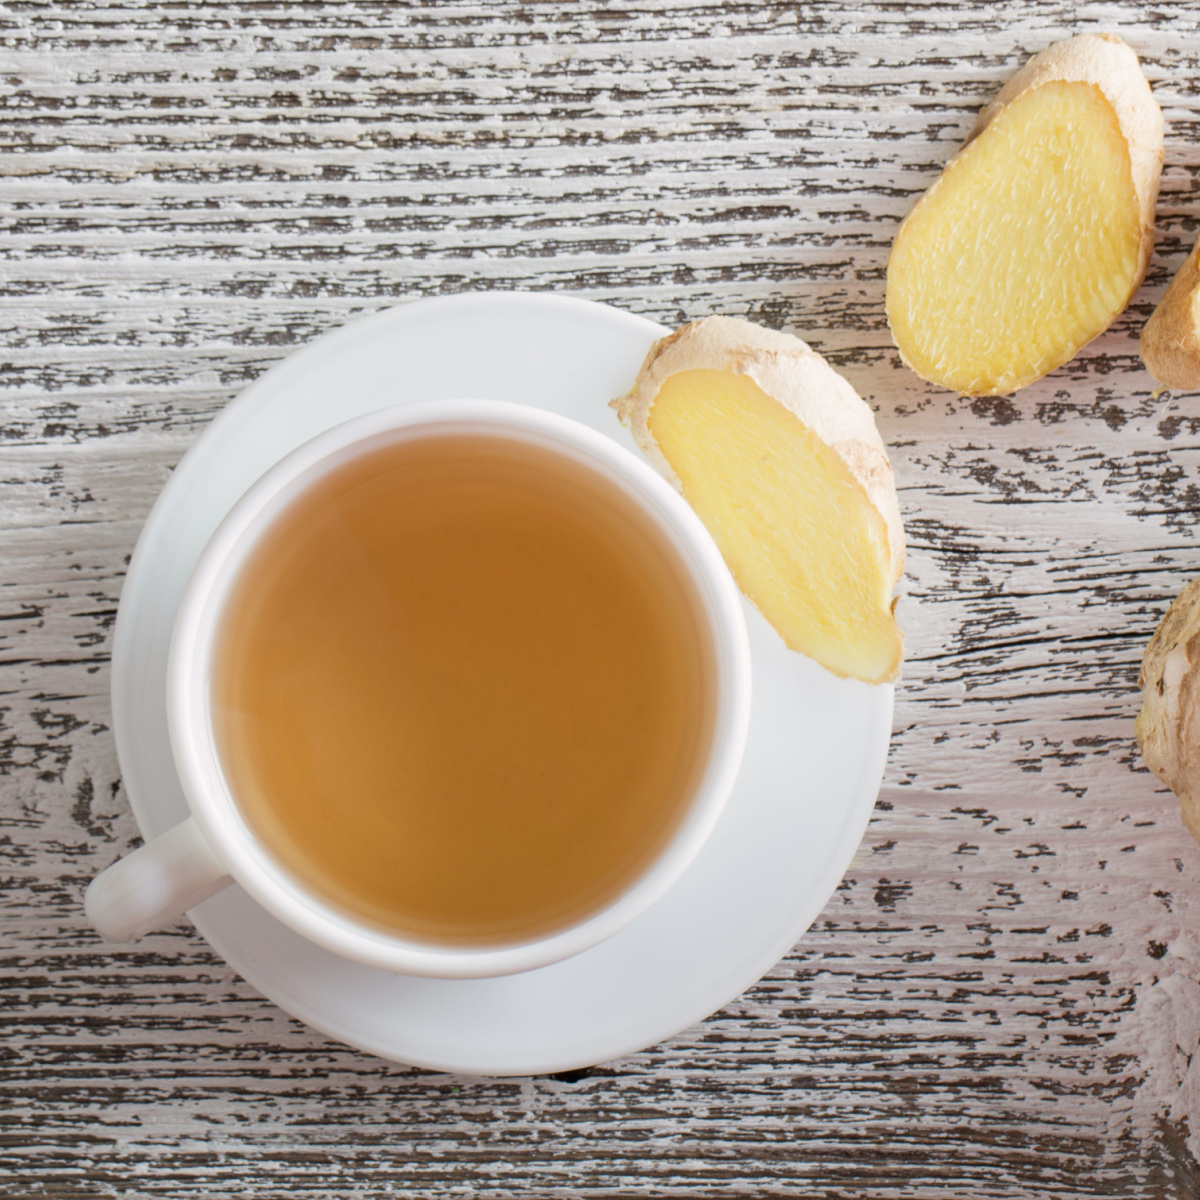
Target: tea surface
{"points": [[463, 689]]}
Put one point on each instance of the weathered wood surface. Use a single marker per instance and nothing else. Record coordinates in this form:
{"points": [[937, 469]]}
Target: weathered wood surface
{"points": [[1002, 999]]}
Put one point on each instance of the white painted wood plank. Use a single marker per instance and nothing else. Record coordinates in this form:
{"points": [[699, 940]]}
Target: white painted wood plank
{"points": [[1002, 998]]}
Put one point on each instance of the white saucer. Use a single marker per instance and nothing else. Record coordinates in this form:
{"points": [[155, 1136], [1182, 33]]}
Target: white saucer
{"points": [[805, 791]]}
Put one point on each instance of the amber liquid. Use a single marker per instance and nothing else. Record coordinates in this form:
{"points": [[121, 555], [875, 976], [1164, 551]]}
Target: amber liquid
{"points": [[463, 690]]}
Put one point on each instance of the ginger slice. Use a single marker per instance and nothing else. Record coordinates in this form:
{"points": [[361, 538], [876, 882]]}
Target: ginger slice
{"points": [[781, 460], [1170, 342], [1168, 725], [1038, 231]]}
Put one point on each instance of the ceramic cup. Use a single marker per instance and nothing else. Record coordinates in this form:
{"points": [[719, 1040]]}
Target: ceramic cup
{"points": [[215, 847]]}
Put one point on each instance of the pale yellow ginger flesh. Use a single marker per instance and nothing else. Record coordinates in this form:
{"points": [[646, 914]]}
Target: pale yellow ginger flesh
{"points": [[1024, 250], [794, 525]]}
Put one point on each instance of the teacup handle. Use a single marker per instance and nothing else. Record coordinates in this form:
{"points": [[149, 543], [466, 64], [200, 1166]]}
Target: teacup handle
{"points": [[155, 884]]}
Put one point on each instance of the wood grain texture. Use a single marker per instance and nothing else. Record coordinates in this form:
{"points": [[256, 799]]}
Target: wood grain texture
{"points": [[1003, 997]]}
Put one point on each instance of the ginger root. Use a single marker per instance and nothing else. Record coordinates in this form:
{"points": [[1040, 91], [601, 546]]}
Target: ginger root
{"points": [[1170, 342], [1039, 230], [1168, 726], [781, 460]]}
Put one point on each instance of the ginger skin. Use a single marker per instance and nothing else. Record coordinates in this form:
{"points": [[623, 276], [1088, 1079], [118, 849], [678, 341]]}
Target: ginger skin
{"points": [[1170, 342], [1168, 726]]}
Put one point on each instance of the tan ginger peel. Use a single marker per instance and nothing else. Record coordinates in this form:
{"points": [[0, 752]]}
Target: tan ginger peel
{"points": [[1170, 342], [782, 461], [1168, 726]]}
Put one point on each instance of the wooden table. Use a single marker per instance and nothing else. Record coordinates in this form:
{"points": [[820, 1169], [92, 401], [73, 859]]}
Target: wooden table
{"points": [[1002, 998]]}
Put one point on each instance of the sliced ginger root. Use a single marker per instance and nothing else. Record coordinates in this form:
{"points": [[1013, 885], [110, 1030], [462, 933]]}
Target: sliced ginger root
{"points": [[781, 460], [1170, 342], [1168, 725], [1038, 231], [796, 529]]}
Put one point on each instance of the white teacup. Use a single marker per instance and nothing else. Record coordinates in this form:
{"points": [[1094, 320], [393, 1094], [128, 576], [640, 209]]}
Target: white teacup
{"points": [[216, 847]]}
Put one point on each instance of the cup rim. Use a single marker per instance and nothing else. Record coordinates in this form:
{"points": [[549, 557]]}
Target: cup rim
{"points": [[250, 862]]}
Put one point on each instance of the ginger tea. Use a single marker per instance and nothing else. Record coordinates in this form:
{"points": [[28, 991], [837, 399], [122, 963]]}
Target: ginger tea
{"points": [[463, 689]]}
